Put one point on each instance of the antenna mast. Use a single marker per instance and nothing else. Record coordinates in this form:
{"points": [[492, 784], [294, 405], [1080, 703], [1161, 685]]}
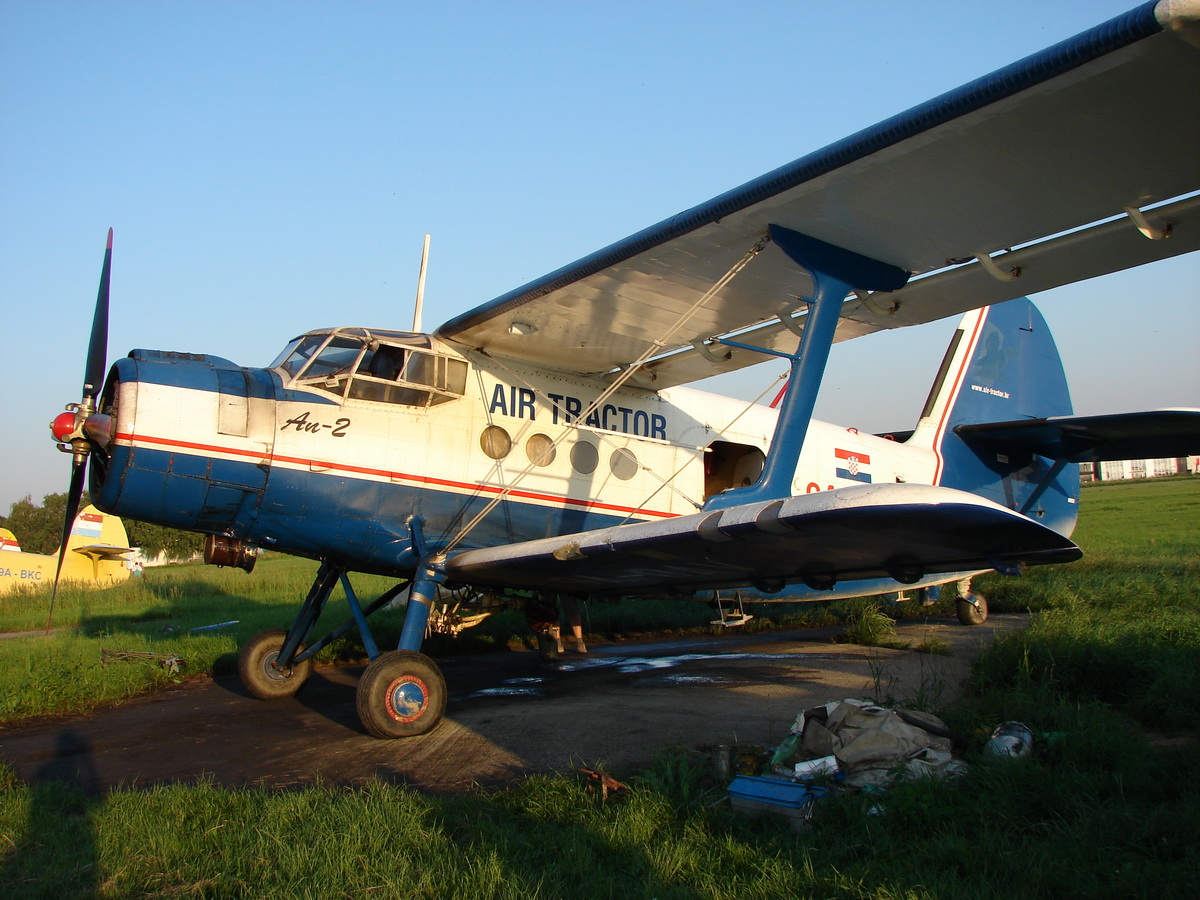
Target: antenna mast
{"points": [[416, 327]]}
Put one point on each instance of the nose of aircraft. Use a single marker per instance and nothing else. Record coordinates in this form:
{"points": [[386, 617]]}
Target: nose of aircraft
{"points": [[63, 426], [96, 428]]}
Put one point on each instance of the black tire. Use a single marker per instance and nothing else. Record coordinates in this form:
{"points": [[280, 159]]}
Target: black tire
{"points": [[259, 675], [972, 613], [401, 694]]}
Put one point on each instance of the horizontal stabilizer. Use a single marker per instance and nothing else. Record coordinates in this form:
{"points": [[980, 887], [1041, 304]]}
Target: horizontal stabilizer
{"points": [[101, 551], [1158, 434], [899, 531]]}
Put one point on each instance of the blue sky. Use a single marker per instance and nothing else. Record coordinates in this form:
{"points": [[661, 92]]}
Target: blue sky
{"points": [[272, 167]]}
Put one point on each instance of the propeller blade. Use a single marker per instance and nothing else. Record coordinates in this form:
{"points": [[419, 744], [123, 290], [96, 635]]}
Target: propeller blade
{"points": [[68, 424], [93, 376], [78, 473]]}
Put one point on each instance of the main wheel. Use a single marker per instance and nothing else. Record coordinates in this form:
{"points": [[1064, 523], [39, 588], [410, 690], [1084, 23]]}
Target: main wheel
{"points": [[972, 613], [260, 676], [401, 694]]}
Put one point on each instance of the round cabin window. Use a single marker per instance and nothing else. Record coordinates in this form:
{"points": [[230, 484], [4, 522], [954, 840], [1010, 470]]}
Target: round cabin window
{"points": [[584, 457], [623, 463], [540, 450], [495, 442]]}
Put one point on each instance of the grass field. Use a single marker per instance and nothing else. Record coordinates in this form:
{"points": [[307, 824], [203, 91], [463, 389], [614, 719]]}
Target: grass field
{"points": [[158, 613], [1109, 666]]}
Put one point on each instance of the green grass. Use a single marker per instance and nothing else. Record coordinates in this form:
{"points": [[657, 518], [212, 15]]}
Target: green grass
{"points": [[156, 614], [1108, 806], [1082, 823], [1122, 625]]}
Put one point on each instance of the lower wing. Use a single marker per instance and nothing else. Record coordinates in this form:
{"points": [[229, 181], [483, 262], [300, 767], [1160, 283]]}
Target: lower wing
{"points": [[899, 531]]}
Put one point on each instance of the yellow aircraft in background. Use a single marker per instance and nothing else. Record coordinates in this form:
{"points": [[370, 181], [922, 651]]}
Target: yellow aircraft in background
{"points": [[97, 547]]}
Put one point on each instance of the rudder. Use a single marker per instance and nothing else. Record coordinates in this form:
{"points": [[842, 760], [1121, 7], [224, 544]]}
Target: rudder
{"points": [[1002, 366]]}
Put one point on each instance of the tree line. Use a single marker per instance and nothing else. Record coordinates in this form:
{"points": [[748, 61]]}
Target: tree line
{"points": [[38, 529]]}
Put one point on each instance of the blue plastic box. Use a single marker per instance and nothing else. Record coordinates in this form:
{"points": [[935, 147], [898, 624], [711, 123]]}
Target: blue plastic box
{"points": [[751, 795]]}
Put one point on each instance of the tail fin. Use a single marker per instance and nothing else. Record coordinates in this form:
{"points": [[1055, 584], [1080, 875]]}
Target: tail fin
{"points": [[8, 540], [95, 528], [1002, 366]]}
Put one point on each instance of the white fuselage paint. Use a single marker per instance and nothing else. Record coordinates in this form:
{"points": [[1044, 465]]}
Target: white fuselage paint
{"points": [[649, 447]]}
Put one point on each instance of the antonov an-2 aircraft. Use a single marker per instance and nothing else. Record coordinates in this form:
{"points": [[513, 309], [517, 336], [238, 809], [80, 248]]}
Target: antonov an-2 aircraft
{"points": [[545, 445]]}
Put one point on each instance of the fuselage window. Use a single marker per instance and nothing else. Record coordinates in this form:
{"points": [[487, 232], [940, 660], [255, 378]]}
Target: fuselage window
{"points": [[540, 450], [495, 442], [623, 463], [408, 376], [584, 457]]}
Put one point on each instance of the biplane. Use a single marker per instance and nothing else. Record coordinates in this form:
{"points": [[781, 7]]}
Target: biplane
{"points": [[546, 444], [95, 554]]}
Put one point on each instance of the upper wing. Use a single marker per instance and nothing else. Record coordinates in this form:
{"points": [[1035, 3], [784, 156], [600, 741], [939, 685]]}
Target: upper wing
{"points": [[900, 531], [1158, 434], [1043, 155]]}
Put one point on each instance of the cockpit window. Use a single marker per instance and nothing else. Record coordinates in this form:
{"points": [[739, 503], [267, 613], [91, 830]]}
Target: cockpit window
{"points": [[297, 353], [336, 357], [363, 365]]}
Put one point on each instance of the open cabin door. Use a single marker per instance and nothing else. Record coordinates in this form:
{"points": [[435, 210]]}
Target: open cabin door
{"points": [[729, 465]]}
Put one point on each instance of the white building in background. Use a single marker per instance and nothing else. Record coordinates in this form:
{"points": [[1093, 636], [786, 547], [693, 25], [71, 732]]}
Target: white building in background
{"points": [[1126, 469]]}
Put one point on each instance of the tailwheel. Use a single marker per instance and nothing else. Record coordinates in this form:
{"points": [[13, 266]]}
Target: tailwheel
{"points": [[260, 675], [972, 609], [401, 694]]}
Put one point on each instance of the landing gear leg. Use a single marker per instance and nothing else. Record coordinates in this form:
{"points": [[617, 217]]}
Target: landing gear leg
{"points": [[402, 693], [274, 664]]}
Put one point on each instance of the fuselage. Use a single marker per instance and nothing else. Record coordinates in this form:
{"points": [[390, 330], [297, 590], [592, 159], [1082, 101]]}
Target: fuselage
{"points": [[330, 452]]}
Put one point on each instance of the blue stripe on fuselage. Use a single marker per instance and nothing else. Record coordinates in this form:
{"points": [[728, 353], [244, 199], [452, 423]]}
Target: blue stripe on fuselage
{"points": [[355, 522], [199, 373]]}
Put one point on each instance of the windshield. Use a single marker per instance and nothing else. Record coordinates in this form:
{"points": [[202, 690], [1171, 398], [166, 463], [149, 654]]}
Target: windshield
{"points": [[356, 365], [297, 353], [319, 355]]}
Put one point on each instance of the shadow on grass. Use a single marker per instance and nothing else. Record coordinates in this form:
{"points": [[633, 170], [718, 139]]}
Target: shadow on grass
{"points": [[57, 855]]}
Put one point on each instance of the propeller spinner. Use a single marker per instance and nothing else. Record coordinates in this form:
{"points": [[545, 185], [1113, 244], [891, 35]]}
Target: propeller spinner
{"points": [[81, 429]]}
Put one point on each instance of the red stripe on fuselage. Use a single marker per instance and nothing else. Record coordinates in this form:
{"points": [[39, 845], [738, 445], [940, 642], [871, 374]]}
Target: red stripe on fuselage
{"points": [[325, 465]]}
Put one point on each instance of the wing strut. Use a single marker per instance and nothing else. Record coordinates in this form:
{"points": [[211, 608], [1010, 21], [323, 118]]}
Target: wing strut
{"points": [[835, 273], [623, 376]]}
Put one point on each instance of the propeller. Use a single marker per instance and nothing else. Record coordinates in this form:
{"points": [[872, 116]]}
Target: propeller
{"points": [[80, 428]]}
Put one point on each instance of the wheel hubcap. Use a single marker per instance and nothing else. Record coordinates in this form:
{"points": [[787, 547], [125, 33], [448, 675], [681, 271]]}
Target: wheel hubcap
{"points": [[273, 671], [407, 698]]}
